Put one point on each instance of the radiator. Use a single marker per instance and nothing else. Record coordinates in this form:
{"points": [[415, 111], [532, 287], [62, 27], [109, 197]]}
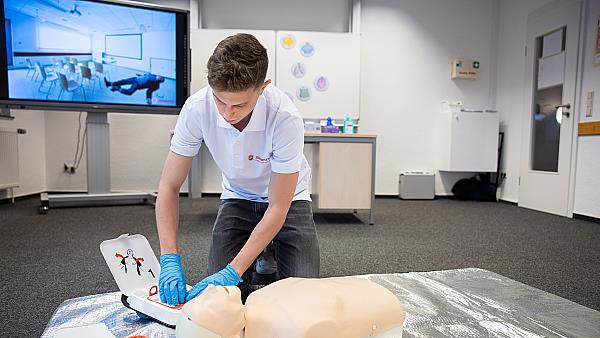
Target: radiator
{"points": [[9, 159]]}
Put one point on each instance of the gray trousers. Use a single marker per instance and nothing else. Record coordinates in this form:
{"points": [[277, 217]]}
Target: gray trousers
{"points": [[295, 247]]}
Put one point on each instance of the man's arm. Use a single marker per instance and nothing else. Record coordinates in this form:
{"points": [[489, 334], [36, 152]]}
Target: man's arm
{"points": [[167, 202], [281, 192]]}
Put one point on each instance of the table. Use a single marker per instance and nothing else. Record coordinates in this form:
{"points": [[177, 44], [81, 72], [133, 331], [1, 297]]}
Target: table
{"points": [[451, 303], [353, 187]]}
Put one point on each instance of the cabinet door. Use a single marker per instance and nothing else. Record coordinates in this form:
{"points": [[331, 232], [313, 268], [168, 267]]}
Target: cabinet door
{"points": [[344, 176], [474, 142]]}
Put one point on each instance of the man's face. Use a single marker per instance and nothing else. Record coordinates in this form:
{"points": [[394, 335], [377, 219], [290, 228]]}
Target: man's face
{"points": [[235, 106]]}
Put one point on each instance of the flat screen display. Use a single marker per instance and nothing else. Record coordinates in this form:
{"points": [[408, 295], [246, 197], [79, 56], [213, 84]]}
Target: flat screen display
{"points": [[101, 53]]}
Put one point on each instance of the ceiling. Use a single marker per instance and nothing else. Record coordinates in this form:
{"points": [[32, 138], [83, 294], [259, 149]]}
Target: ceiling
{"points": [[90, 17]]}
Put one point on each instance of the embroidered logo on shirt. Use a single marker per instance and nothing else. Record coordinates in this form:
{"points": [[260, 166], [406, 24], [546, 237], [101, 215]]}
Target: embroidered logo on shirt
{"points": [[258, 159]]}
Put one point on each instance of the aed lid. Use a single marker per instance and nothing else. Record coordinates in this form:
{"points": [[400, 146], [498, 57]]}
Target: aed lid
{"points": [[131, 262]]}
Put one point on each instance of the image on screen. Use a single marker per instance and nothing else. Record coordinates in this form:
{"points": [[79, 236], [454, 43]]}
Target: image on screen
{"points": [[84, 51]]}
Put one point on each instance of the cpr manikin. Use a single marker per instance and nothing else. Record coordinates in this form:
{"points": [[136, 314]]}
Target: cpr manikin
{"points": [[341, 307]]}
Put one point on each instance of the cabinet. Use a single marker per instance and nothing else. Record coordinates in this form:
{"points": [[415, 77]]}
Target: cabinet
{"points": [[468, 141], [343, 171], [343, 176]]}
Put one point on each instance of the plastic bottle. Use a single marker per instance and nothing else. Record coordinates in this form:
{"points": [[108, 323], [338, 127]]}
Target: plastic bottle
{"points": [[348, 125], [330, 127]]}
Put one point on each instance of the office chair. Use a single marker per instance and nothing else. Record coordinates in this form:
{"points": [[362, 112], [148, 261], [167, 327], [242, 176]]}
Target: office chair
{"points": [[30, 67], [99, 69], [46, 77], [69, 86], [86, 74]]}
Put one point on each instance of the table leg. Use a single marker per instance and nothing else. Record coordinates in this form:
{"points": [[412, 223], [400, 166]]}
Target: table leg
{"points": [[374, 158]]}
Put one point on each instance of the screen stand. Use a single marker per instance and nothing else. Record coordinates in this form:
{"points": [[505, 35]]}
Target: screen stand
{"points": [[98, 173]]}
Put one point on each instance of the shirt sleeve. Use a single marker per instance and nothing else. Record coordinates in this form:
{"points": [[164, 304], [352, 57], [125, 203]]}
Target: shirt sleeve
{"points": [[187, 137], [288, 145]]}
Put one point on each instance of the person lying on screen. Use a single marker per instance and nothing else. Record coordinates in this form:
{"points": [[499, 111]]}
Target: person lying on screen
{"points": [[147, 81]]}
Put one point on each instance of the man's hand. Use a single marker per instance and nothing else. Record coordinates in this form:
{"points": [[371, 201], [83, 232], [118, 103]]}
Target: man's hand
{"points": [[225, 277], [171, 283]]}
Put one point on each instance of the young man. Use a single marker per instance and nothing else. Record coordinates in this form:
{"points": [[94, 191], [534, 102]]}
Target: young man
{"points": [[256, 137]]}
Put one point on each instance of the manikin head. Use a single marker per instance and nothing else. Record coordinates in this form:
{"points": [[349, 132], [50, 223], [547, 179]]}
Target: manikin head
{"points": [[217, 313], [237, 71]]}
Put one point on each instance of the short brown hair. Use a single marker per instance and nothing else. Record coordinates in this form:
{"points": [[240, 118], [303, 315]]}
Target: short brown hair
{"points": [[238, 63]]}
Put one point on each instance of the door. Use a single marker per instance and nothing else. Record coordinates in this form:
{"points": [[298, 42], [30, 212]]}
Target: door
{"points": [[549, 115]]}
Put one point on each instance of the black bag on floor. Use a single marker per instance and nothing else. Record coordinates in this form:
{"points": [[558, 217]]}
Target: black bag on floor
{"points": [[475, 189]]}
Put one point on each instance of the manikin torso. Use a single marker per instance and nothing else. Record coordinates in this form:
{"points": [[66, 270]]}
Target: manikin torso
{"points": [[341, 307]]}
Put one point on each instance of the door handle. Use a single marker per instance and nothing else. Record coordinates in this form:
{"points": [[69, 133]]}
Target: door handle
{"points": [[565, 107]]}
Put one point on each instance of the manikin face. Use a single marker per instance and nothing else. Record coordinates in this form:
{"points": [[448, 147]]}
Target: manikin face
{"points": [[217, 312], [235, 106]]}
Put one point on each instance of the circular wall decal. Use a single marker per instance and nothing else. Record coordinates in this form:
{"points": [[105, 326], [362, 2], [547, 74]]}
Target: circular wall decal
{"points": [[321, 83], [288, 41], [303, 93], [307, 49], [298, 69]]}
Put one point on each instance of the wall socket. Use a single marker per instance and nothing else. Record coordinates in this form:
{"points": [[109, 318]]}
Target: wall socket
{"points": [[69, 168]]}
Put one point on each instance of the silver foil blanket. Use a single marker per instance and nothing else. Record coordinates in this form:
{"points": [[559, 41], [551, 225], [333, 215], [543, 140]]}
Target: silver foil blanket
{"points": [[450, 303]]}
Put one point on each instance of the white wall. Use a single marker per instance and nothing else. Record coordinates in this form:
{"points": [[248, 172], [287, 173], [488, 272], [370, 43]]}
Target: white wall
{"points": [[61, 144], [587, 179], [311, 15], [510, 86], [406, 49], [138, 147]]}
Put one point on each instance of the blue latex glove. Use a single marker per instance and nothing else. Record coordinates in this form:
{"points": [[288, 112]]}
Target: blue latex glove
{"points": [[225, 277], [171, 283]]}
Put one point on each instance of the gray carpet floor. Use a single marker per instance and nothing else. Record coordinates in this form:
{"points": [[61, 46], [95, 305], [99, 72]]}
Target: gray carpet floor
{"points": [[46, 259]]}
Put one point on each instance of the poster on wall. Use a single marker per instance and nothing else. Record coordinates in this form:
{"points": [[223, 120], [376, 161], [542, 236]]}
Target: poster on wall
{"points": [[597, 48], [321, 72]]}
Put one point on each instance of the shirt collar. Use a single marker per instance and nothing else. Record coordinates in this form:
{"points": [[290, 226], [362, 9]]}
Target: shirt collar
{"points": [[257, 120]]}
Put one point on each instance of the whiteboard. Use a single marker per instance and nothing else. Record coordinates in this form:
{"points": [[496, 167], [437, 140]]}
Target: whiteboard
{"points": [[324, 66], [124, 45], [204, 41]]}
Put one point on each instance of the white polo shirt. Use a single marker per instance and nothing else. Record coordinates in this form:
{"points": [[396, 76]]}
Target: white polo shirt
{"points": [[273, 141]]}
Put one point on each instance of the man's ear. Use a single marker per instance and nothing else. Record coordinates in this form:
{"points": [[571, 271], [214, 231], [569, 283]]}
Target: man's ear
{"points": [[264, 85]]}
